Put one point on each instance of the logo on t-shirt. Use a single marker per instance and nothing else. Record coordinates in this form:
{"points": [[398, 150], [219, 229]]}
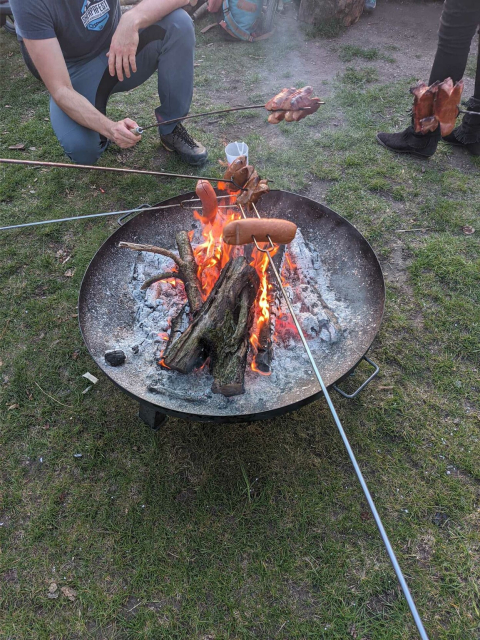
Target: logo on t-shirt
{"points": [[95, 14]]}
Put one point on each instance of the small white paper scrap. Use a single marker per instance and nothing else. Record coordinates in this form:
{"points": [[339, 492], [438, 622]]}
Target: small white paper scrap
{"points": [[89, 376]]}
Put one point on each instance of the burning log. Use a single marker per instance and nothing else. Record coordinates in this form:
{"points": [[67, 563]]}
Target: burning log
{"points": [[221, 330], [264, 356], [185, 261]]}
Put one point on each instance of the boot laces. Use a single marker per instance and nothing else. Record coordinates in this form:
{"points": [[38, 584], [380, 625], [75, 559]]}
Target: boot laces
{"points": [[183, 134]]}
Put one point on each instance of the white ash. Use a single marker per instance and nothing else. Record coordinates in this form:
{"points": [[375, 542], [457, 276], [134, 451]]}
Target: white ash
{"points": [[320, 315]]}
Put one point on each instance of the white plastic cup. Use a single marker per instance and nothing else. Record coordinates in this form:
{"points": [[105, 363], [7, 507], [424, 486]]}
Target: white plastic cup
{"points": [[235, 149]]}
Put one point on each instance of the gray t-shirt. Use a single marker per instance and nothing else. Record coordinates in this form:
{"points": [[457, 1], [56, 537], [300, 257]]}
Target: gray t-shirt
{"points": [[84, 28]]}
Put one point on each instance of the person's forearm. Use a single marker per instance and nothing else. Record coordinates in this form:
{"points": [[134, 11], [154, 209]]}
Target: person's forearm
{"points": [[148, 12], [82, 111]]}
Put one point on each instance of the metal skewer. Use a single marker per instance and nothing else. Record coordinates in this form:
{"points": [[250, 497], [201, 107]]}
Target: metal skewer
{"points": [[140, 130], [472, 113], [123, 214], [371, 504]]}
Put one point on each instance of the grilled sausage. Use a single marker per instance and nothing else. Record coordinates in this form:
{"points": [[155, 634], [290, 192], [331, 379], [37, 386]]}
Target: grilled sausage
{"points": [[241, 231], [207, 195], [277, 101], [275, 118], [234, 166]]}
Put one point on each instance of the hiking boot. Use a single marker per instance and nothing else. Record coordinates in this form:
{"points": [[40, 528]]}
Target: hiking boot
{"points": [[467, 135], [188, 149], [422, 145]]}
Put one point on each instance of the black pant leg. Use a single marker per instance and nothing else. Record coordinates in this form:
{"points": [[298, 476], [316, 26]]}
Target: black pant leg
{"points": [[458, 24]]}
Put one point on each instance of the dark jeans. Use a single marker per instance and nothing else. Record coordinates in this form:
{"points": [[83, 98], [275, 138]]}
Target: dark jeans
{"points": [[460, 19]]}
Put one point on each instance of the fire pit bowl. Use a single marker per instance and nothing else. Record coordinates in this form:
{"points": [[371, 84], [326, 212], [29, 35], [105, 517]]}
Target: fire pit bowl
{"points": [[107, 314]]}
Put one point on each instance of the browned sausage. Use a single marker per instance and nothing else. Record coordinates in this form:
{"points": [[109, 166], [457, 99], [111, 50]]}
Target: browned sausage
{"points": [[207, 195], [241, 231], [237, 164], [276, 117], [276, 101]]}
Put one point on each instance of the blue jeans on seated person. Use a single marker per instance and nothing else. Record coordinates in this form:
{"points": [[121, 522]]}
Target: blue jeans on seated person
{"points": [[167, 47]]}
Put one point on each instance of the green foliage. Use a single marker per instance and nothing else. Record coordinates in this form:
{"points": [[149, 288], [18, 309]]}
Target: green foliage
{"points": [[247, 530]]}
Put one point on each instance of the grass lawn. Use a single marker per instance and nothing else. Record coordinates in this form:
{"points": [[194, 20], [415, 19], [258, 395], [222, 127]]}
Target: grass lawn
{"points": [[216, 532]]}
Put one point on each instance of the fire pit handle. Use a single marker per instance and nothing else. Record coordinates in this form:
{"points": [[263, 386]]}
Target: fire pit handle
{"points": [[122, 219], [362, 386]]}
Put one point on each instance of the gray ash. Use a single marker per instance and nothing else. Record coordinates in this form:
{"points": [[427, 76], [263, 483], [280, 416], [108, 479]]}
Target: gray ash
{"points": [[322, 317]]}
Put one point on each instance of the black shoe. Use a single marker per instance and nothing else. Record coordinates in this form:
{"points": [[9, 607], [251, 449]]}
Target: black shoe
{"points": [[472, 147], [467, 135], [422, 145], [187, 148]]}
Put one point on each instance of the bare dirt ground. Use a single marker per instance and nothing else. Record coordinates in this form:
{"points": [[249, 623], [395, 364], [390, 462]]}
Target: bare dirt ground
{"points": [[406, 29]]}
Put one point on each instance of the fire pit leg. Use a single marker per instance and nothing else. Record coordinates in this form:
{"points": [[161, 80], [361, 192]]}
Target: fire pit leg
{"points": [[151, 416]]}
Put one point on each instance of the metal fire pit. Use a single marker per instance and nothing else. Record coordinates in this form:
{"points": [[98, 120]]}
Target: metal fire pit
{"points": [[106, 308]]}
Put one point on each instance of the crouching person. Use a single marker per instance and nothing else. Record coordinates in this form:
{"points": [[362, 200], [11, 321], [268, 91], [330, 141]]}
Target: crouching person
{"points": [[85, 51]]}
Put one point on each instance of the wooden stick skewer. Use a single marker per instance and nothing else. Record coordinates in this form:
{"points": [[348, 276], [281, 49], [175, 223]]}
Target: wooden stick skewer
{"points": [[67, 165]]}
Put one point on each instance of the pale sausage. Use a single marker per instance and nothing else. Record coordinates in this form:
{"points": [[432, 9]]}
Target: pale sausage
{"points": [[241, 231], [207, 195]]}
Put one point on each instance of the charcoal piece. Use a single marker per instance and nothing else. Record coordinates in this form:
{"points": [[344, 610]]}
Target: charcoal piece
{"points": [[115, 357]]}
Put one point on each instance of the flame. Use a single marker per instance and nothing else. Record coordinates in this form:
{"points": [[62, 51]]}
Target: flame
{"points": [[212, 254], [260, 263]]}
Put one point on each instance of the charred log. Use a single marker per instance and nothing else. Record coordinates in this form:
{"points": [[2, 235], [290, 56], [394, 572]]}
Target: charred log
{"points": [[186, 264], [264, 356], [179, 325], [221, 330]]}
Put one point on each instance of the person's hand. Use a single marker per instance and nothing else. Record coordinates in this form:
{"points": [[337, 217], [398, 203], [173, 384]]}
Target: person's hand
{"points": [[121, 133], [123, 49]]}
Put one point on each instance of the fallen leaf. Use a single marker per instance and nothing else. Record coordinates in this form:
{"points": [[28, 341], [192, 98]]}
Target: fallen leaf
{"points": [[13, 406], [69, 593], [69, 273], [468, 230], [53, 587], [17, 147]]}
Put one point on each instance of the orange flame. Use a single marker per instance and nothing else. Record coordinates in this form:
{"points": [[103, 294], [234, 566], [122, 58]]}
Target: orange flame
{"points": [[213, 254], [260, 263]]}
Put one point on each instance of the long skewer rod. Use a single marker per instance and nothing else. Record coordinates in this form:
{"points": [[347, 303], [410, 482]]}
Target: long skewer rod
{"points": [[66, 165], [140, 130], [371, 504], [113, 213]]}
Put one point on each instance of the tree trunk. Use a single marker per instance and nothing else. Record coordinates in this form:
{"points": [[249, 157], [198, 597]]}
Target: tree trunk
{"points": [[221, 330], [347, 12]]}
